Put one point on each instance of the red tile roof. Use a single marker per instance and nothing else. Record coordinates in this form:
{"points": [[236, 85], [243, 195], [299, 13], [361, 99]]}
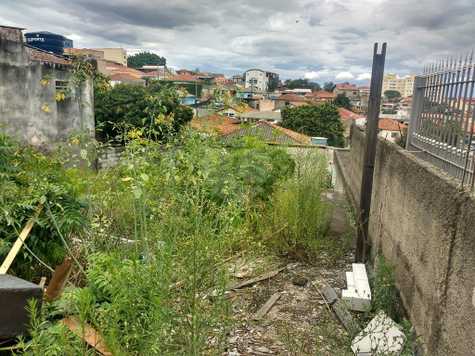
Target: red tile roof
{"points": [[292, 97], [390, 125], [321, 94], [45, 57], [215, 123], [346, 114]]}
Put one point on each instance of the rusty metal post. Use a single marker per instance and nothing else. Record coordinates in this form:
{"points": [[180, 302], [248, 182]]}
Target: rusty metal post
{"points": [[362, 243]]}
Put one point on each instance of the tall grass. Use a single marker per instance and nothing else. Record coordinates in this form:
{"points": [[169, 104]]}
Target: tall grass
{"points": [[298, 216], [162, 223]]}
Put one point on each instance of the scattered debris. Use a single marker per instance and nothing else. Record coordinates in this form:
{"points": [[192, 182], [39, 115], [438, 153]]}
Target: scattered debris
{"points": [[42, 283], [87, 333], [267, 306], [358, 292], [260, 278], [382, 336], [329, 294], [345, 317], [58, 280], [19, 242], [300, 281]]}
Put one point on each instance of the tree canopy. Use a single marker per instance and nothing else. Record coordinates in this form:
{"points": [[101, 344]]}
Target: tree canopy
{"points": [[315, 120], [145, 58], [392, 94], [342, 101], [126, 107], [301, 84], [329, 86]]}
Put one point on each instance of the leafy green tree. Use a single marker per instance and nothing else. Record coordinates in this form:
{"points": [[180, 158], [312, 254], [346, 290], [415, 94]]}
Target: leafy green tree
{"points": [[145, 58], [329, 86], [125, 107], [315, 120], [342, 101], [392, 95], [301, 84]]}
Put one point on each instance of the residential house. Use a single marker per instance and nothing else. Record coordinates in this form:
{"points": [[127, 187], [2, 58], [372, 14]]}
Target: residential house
{"points": [[158, 72], [117, 55], [351, 91], [255, 116], [404, 85], [257, 79], [347, 118], [237, 79], [120, 74], [391, 130], [321, 96], [290, 100], [40, 104]]}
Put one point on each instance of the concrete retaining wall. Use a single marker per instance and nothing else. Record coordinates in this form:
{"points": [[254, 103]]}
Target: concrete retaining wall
{"points": [[425, 226], [29, 110]]}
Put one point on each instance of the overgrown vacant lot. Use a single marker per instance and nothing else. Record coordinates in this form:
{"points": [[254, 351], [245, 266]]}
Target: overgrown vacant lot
{"points": [[158, 240]]}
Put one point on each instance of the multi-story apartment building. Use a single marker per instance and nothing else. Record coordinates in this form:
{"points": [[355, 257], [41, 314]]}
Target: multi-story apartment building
{"points": [[260, 80], [403, 85]]}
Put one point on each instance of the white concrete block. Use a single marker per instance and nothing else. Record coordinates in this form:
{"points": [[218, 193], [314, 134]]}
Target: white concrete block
{"points": [[382, 336], [358, 293]]}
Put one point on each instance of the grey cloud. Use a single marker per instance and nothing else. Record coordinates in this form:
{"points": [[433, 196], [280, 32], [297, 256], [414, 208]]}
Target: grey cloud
{"points": [[290, 36]]}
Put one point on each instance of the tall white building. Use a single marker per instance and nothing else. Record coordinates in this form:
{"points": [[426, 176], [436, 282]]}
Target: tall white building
{"points": [[259, 80], [404, 85]]}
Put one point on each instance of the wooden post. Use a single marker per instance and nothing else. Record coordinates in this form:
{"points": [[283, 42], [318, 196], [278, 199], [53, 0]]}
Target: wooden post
{"points": [[374, 103]]}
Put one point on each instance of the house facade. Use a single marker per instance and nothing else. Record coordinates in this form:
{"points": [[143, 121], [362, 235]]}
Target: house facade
{"points": [[39, 102]]}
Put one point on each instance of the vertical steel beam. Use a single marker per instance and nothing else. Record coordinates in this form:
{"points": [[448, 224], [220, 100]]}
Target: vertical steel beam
{"points": [[362, 242], [417, 107]]}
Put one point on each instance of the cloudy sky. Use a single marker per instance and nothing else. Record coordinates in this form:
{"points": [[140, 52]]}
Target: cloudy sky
{"points": [[317, 39]]}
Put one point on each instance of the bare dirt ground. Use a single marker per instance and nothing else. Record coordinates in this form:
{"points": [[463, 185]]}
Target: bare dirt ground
{"points": [[299, 323]]}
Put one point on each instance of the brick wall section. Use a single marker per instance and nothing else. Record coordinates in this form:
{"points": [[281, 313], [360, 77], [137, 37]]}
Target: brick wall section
{"points": [[425, 226]]}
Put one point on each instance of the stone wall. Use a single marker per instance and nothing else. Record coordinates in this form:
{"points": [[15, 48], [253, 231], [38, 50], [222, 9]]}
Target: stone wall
{"points": [[425, 226], [28, 107]]}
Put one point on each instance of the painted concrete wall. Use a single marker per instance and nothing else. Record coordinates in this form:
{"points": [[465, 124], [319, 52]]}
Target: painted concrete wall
{"points": [[28, 108], [425, 226]]}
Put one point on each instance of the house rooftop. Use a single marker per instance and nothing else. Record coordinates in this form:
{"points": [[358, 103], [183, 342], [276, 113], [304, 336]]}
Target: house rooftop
{"points": [[390, 125], [346, 114], [271, 134], [292, 97], [39, 55]]}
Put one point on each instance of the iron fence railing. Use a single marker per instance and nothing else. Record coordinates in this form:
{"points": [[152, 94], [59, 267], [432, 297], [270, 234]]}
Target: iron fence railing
{"points": [[442, 118]]}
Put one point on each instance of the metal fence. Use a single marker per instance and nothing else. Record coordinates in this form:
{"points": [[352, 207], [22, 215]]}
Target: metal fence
{"points": [[442, 117]]}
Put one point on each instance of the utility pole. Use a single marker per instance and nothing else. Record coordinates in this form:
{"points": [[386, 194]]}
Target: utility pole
{"points": [[376, 86]]}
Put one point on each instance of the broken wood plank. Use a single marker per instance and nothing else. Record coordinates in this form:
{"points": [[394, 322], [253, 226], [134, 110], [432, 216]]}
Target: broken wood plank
{"points": [[345, 317], [19, 242], [87, 333], [42, 283], [267, 306], [329, 294], [58, 280], [260, 278]]}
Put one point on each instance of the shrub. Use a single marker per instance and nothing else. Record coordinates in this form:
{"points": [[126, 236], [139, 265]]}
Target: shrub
{"points": [[315, 120], [29, 179], [125, 107]]}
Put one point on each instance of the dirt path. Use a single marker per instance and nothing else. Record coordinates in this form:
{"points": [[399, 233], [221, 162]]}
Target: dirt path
{"points": [[299, 323]]}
